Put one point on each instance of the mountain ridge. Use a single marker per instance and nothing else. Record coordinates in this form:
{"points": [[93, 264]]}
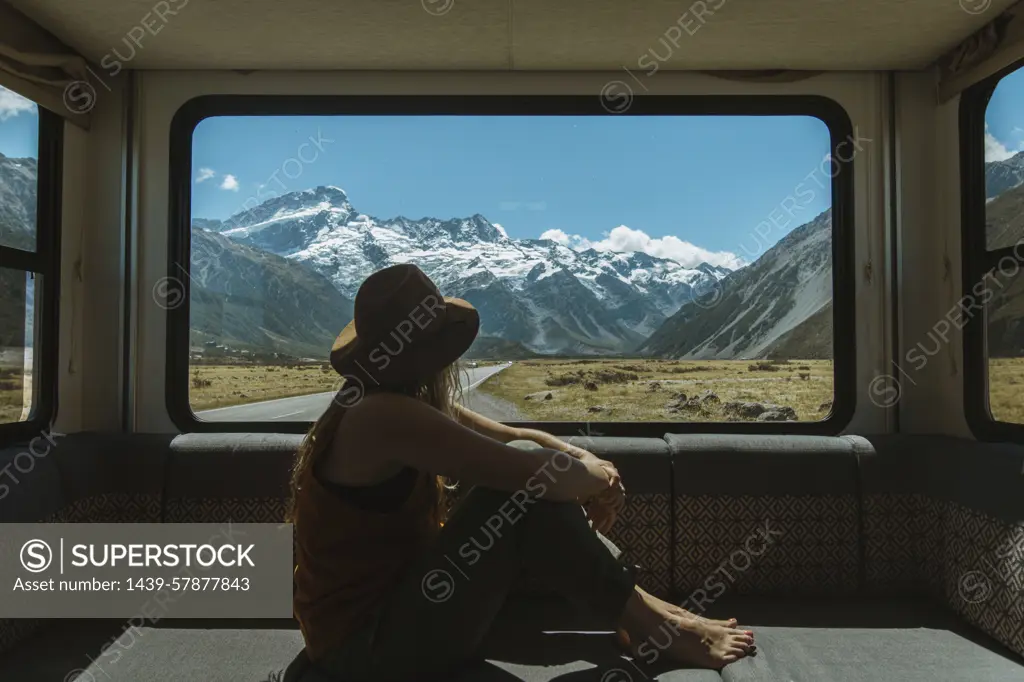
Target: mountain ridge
{"points": [[535, 292], [757, 306]]}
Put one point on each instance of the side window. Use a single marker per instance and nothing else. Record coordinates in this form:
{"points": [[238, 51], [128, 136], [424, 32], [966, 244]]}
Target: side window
{"points": [[27, 246], [994, 240], [686, 278]]}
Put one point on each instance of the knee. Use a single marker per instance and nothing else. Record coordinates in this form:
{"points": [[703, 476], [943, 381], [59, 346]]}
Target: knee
{"points": [[524, 445]]}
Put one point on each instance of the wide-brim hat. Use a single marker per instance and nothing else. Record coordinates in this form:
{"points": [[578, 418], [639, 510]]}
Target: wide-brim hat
{"points": [[403, 329]]}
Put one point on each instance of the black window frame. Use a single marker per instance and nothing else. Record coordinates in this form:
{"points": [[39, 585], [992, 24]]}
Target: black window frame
{"points": [[44, 261], [977, 259], [830, 112]]}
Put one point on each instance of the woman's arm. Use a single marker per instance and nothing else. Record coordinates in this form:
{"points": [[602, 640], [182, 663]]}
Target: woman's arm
{"points": [[415, 434], [603, 509], [506, 434]]}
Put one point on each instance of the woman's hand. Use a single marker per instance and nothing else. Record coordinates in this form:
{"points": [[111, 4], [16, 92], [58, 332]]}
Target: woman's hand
{"points": [[604, 507]]}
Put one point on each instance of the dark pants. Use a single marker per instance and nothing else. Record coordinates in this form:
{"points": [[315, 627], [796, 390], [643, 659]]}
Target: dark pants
{"points": [[437, 616]]}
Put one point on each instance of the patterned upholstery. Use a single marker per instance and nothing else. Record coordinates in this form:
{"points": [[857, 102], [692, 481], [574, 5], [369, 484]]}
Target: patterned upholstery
{"points": [[945, 517], [982, 570], [765, 545], [236, 509], [764, 515], [111, 508], [641, 530], [640, 534], [897, 548]]}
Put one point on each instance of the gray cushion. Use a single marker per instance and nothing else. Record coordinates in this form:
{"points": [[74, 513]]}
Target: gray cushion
{"points": [[798, 641], [735, 465], [105, 650], [172, 651], [845, 640], [645, 463], [983, 476], [210, 466]]}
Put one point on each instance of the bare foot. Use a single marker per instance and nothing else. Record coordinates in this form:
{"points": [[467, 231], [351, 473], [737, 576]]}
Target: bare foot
{"points": [[710, 646], [672, 609], [649, 631]]}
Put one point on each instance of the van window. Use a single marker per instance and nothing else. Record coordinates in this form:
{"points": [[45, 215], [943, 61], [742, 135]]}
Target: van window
{"points": [[20, 275], [641, 268], [995, 297], [30, 156]]}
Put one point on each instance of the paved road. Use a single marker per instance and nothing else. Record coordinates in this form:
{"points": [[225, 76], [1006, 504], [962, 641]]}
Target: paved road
{"points": [[310, 407]]}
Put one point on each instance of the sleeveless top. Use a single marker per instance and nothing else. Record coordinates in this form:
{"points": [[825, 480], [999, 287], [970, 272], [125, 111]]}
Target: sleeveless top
{"points": [[349, 557]]}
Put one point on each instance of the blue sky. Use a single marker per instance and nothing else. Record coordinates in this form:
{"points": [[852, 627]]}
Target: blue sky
{"points": [[693, 188], [690, 188], [19, 126], [1004, 119]]}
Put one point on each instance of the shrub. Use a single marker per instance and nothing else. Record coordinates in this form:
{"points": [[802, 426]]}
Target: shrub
{"points": [[199, 382], [567, 379]]}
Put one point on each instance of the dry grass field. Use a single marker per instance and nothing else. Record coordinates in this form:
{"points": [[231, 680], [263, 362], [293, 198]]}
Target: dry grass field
{"points": [[662, 390], [12, 395], [1006, 389], [213, 386]]}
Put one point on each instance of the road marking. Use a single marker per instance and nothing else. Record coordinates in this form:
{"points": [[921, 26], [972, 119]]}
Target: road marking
{"points": [[262, 402], [290, 414], [477, 383]]}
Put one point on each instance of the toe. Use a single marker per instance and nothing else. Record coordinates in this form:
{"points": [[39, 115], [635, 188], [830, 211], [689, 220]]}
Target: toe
{"points": [[744, 642]]}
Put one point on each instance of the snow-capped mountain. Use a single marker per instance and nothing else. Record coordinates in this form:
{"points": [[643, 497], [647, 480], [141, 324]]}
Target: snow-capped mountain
{"points": [[1001, 176], [245, 298], [778, 306], [17, 229], [536, 292], [18, 202]]}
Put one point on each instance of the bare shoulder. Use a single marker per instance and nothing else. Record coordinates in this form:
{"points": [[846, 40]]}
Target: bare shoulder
{"points": [[389, 410], [370, 425]]}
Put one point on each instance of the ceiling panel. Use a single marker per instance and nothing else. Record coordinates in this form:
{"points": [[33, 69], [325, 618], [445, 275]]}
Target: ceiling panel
{"points": [[288, 34], [744, 34], [520, 34]]}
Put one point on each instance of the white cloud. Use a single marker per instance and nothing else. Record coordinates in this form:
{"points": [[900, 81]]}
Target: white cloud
{"points": [[996, 150], [12, 104], [556, 236], [624, 239], [230, 182], [204, 174]]}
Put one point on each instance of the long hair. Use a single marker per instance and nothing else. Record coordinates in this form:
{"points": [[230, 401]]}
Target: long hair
{"points": [[441, 390]]}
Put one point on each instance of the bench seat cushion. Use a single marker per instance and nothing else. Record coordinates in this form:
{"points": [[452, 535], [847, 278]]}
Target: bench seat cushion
{"points": [[855, 639], [539, 641]]}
